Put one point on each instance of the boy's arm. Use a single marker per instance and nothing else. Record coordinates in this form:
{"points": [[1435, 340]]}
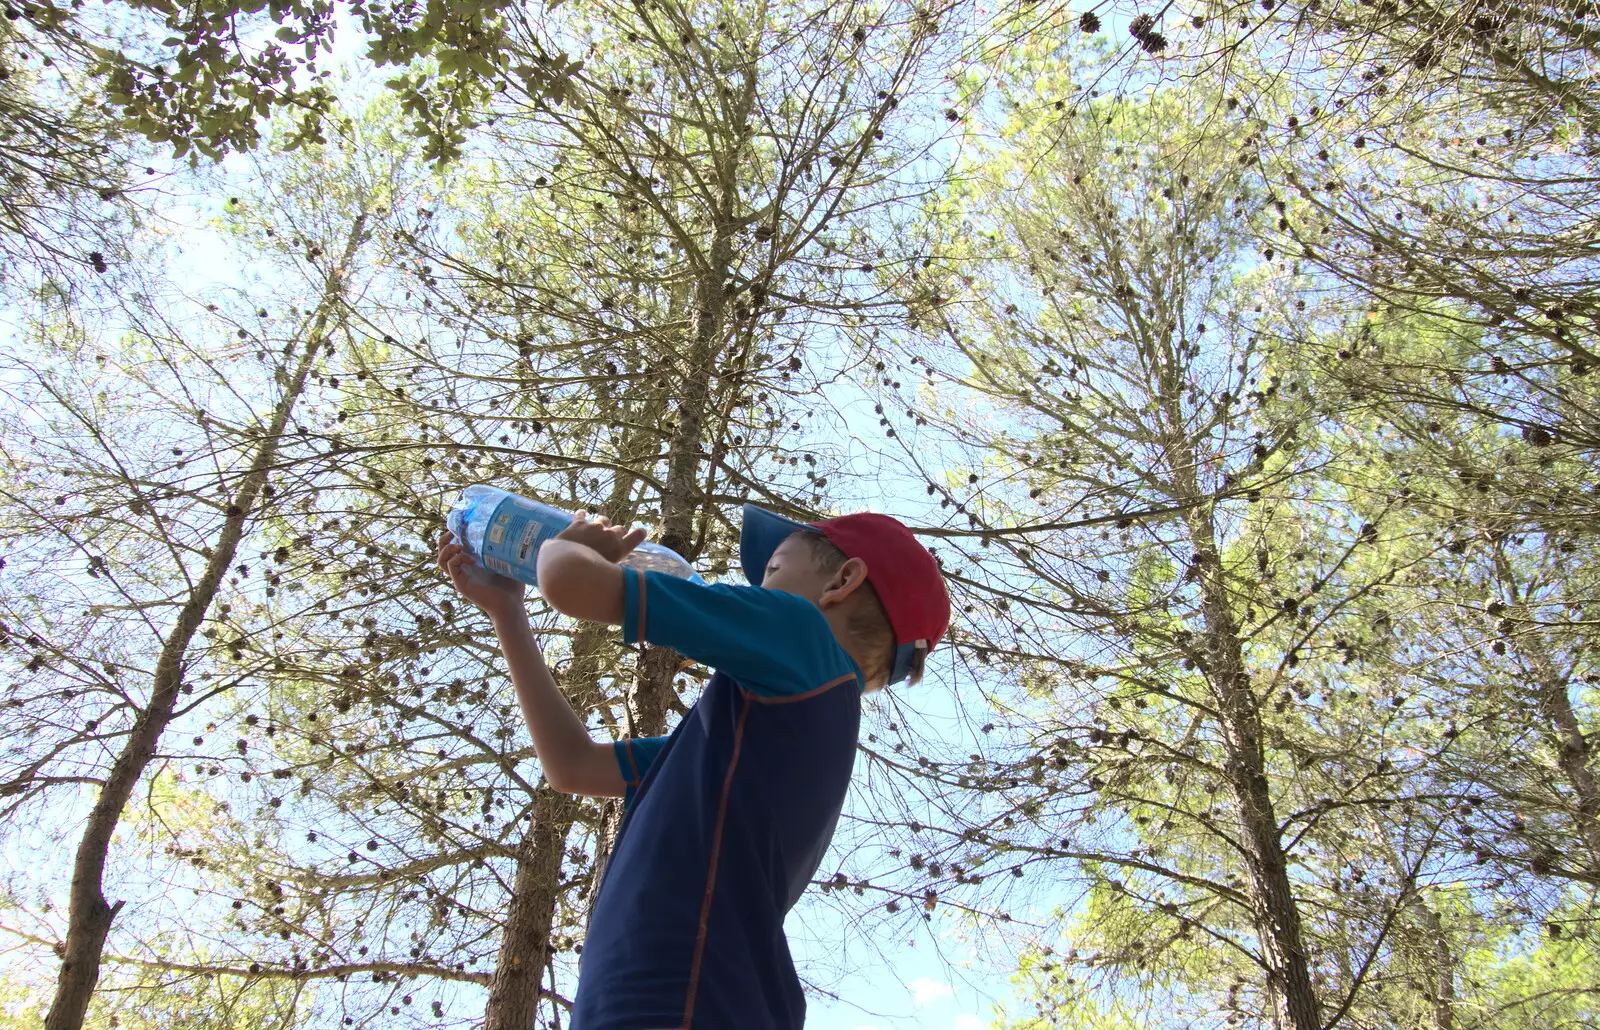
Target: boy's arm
{"points": [[574, 763], [577, 580], [773, 643]]}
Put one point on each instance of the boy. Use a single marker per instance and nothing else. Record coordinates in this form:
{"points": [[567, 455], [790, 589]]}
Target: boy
{"points": [[728, 818]]}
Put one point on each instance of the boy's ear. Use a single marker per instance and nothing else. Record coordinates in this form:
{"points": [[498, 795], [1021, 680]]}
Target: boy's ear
{"points": [[843, 583]]}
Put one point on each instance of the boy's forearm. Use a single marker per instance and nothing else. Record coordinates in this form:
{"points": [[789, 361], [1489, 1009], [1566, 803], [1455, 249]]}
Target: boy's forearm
{"points": [[573, 762], [575, 580]]}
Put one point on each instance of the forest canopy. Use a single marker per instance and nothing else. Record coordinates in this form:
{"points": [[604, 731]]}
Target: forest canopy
{"points": [[1239, 363]]}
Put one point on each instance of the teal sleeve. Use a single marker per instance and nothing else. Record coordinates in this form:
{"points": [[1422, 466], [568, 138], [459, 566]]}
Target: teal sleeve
{"points": [[774, 644], [635, 755]]}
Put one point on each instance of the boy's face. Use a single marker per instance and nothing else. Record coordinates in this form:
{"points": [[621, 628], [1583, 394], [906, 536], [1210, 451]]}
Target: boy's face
{"points": [[796, 570], [793, 569]]}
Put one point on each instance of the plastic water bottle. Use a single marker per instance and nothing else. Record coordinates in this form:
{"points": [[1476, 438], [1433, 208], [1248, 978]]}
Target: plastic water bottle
{"points": [[503, 532]]}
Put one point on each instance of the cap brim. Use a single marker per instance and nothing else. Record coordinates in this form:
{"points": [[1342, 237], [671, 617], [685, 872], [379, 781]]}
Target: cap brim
{"points": [[903, 654], [759, 535]]}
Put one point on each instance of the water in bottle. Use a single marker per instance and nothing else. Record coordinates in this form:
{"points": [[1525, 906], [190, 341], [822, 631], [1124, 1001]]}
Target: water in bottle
{"points": [[503, 533]]}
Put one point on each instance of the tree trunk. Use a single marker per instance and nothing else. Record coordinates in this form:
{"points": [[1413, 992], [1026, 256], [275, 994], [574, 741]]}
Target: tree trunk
{"points": [[1562, 729], [89, 915], [1277, 916], [688, 395], [1436, 964], [682, 497], [1442, 986], [514, 990], [681, 500], [1572, 755]]}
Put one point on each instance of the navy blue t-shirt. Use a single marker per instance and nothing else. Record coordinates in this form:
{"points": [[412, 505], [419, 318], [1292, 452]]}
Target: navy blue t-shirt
{"points": [[727, 819]]}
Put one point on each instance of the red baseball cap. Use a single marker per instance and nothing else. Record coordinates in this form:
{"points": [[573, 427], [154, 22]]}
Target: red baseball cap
{"points": [[907, 579]]}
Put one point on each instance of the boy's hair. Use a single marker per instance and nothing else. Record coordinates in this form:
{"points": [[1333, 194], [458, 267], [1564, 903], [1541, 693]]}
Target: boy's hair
{"points": [[867, 622]]}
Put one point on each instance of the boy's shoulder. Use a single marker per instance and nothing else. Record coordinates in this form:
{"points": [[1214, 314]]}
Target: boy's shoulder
{"points": [[770, 642], [804, 654]]}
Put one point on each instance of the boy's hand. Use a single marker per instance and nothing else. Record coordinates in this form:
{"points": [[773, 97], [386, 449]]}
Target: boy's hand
{"points": [[497, 595], [610, 542]]}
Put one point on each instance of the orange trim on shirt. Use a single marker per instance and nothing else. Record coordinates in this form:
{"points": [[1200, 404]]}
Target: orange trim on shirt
{"points": [[711, 871], [848, 677], [627, 745]]}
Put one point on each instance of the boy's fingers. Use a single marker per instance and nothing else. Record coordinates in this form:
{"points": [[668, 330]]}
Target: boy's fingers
{"points": [[634, 538]]}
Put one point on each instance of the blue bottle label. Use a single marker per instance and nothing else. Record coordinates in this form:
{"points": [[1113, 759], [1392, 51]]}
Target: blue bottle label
{"points": [[515, 531]]}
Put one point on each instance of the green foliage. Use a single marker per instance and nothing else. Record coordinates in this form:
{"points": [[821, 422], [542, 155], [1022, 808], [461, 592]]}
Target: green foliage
{"points": [[202, 80]]}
